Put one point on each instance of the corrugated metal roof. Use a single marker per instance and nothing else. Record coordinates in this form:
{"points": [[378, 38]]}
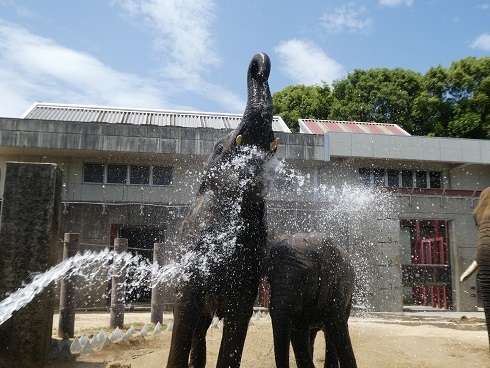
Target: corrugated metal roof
{"points": [[103, 114], [313, 126]]}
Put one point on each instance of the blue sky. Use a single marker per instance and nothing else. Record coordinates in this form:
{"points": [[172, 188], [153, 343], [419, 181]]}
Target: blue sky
{"points": [[193, 54]]}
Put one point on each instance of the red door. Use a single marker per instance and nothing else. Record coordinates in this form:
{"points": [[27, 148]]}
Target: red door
{"points": [[431, 254]]}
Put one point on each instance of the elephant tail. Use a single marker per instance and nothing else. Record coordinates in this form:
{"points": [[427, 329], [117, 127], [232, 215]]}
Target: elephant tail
{"points": [[469, 271]]}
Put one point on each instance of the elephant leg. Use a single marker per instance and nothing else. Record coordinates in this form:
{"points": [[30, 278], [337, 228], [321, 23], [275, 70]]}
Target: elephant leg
{"points": [[313, 333], [300, 339], [331, 358], [232, 341], [484, 280], [339, 338], [186, 317], [198, 347]]}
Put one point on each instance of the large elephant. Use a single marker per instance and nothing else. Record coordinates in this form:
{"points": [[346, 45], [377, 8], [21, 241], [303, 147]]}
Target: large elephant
{"points": [[482, 257], [312, 282], [224, 234]]}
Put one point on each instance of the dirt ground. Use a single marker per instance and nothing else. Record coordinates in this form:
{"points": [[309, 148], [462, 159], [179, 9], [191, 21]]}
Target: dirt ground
{"points": [[381, 343]]}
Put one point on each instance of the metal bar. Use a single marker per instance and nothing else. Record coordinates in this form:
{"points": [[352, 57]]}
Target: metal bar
{"points": [[68, 292]]}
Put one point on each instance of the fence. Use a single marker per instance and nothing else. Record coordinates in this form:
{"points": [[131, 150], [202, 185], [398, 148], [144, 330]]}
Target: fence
{"points": [[71, 246]]}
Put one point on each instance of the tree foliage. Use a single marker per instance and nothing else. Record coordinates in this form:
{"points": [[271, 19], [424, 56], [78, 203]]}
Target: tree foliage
{"points": [[445, 102], [302, 102]]}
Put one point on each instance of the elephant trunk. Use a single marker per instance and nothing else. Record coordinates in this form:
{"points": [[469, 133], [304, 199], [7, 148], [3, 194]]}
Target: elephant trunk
{"points": [[256, 125], [281, 327]]}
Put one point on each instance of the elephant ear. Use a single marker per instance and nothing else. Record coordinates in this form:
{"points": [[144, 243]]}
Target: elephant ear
{"points": [[483, 208]]}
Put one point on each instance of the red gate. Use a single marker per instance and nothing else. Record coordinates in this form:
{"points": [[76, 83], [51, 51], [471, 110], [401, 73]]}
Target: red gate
{"points": [[431, 255]]}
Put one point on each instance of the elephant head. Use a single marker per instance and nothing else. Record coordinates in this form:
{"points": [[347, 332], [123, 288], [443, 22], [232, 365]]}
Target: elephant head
{"points": [[481, 261], [223, 236]]}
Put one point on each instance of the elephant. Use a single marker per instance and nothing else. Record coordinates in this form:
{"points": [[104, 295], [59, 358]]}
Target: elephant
{"points": [[481, 260], [223, 236], [312, 283]]}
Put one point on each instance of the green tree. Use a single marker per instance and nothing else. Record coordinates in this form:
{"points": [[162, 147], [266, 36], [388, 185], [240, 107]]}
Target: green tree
{"points": [[302, 102], [468, 94], [377, 95], [444, 102]]}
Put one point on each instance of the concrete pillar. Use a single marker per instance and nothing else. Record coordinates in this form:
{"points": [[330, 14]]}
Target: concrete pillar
{"points": [[28, 245], [68, 292], [118, 293], [157, 289]]}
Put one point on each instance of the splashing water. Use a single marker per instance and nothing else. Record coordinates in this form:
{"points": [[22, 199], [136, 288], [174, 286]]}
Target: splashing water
{"points": [[344, 211], [356, 204], [88, 267]]}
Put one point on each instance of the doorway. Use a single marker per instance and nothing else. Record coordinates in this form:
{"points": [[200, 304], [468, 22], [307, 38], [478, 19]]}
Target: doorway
{"points": [[425, 263]]}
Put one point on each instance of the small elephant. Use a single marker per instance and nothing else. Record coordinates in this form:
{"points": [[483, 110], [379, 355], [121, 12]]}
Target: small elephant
{"points": [[312, 282], [482, 257]]}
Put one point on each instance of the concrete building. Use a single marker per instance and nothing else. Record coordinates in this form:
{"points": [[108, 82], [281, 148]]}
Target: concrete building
{"points": [[402, 205]]}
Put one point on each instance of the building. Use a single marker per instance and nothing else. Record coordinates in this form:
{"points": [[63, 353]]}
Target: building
{"points": [[401, 205]]}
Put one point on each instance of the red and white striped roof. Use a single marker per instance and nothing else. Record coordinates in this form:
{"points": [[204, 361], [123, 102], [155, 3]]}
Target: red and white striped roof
{"points": [[313, 126]]}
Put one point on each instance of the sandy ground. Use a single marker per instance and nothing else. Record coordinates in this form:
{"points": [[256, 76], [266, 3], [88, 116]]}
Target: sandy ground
{"points": [[382, 343]]}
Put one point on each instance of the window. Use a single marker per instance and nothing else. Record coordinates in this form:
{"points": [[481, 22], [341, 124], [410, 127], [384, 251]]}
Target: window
{"points": [[125, 174], [162, 175], [400, 178], [139, 175], [117, 174], [379, 177], [421, 179], [365, 176], [393, 178], [435, 179], [93, 173], [407, 178]]}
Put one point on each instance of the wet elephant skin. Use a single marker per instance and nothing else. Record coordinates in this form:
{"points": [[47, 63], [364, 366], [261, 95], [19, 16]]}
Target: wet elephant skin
{"points": [[224, 234]]}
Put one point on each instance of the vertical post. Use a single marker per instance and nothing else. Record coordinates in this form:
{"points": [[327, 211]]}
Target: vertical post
{"points": [[68, 293], [118, 286], [29, 236], [157, 287]]}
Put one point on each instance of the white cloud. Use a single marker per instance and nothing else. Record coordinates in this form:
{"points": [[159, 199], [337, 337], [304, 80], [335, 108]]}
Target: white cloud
{"points": [[32, 66], [348, 18], [393, 3], [306, 63], [482, 42], [181, 31]]}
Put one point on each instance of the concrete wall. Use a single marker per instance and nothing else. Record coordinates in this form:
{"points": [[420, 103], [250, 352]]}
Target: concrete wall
{"points": [[408, 147]]}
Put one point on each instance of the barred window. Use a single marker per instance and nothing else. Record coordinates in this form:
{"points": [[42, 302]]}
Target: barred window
{"points": [[421, 179], [93, 173], [139, 175], [407, 178], [365, 176], [393, 178], [117, 174], [162, 175], [435, 179], [379, 177]]}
